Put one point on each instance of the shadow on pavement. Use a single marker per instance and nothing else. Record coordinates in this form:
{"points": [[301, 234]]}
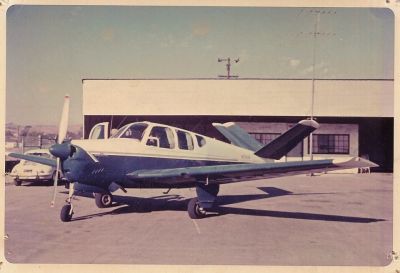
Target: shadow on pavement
{"points": [[129, 204]]}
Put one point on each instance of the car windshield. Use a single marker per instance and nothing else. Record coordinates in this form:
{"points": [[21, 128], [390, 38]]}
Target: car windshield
{"points": [[132, 131]]}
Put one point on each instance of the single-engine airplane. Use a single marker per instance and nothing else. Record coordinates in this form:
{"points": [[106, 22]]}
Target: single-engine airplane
{"points": [[146, 154]]}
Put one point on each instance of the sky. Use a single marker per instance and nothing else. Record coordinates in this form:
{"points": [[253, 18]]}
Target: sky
{"points": [[50, 49]]}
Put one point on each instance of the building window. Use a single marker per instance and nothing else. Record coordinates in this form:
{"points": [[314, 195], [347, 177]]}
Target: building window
{"points": [[331, 144], [265, 138]]}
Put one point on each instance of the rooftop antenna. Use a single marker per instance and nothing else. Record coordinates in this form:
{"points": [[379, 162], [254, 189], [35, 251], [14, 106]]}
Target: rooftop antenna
{"points": [[315, 34], [228, 68]]}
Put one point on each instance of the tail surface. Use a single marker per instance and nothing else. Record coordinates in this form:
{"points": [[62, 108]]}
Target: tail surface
{"points": [[283, 144], [237, 136]]}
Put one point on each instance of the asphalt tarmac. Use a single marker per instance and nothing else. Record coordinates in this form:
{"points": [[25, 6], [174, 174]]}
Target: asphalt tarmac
{"points": [[333, 219]]}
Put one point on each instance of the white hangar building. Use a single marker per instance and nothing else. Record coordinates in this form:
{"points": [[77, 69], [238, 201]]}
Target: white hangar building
{"points": [[355, 116]]}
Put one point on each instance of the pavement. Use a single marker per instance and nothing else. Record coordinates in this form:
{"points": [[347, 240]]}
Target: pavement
{"points": [[333, 219]]}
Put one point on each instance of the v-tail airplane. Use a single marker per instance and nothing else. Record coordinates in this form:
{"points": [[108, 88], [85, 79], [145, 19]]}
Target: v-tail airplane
{"points": [[146, 154]]}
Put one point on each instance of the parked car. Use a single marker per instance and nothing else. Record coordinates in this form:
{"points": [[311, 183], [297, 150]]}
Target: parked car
{"points": [[33, 172]]}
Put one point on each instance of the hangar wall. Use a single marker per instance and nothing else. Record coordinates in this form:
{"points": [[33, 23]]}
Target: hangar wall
{"points": [[247, 97]]}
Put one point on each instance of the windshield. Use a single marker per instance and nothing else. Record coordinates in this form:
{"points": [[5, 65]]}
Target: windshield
{"points": [[120, 131], [132, 131]]}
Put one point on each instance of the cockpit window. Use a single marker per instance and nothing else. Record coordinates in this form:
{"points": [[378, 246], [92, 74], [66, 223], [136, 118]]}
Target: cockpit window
{"points": [[120, 131], [134, 131], [162, 137], [185, 141], [201, 141]]}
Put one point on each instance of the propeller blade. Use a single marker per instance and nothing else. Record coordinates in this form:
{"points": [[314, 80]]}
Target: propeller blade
{"points": [[56, 182], [63, 127]]}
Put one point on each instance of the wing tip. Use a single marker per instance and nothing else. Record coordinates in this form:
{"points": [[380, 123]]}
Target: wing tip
{"points": [[357, 162]]}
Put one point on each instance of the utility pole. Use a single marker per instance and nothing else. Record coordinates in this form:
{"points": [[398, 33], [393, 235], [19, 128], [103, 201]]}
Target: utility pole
{"points": [[228, 68]]}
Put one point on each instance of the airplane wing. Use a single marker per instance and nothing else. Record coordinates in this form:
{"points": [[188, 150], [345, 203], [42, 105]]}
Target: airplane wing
{"points": [[220, 174], [37, 159]]}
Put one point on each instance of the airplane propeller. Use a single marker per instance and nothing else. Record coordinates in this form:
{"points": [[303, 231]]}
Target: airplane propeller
{"points": [[61, 150]]}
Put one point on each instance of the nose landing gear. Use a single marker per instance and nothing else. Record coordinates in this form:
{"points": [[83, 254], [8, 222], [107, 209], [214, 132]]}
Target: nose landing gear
{"points": [[66, 213], [67, 210]]}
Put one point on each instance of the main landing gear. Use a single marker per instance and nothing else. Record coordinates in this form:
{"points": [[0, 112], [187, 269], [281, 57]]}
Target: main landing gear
{"points": [[103, 200], [206, 195], [195, 210]]}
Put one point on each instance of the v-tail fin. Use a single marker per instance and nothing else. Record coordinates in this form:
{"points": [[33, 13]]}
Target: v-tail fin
{"points": [[287, 141]]}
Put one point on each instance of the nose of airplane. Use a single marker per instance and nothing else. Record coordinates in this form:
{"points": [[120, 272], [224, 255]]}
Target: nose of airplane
{"points": [[61, 151]]}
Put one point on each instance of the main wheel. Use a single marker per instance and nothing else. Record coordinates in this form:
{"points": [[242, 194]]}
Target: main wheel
{"points": [[66, 213], [103, 200], [17, 182], [195, 210]]}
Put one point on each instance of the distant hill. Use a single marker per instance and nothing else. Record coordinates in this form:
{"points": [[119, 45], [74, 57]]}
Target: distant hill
{"points": [[53, 129], [75, 130]]}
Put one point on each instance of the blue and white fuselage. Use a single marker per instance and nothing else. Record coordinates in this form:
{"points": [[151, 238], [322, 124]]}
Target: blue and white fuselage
{"points": [[151, 146]]}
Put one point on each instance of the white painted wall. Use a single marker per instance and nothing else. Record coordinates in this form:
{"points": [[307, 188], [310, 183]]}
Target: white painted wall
{"points": [[353, 98]]}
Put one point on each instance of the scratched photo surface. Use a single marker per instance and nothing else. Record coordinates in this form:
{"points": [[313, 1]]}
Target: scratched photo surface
{"points": [[152, 113]]}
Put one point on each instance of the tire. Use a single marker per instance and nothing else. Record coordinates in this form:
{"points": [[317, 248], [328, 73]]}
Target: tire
{"points": [[194, 209], [17, 182], [65, 214], [103, 200]]}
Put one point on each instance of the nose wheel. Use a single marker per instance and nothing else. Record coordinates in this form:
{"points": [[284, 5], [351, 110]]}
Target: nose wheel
{"points": [[67, 210], [66, 213]]}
